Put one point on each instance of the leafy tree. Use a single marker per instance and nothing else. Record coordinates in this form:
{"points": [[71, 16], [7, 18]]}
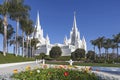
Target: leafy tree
{"points": [[78, 54], [55, 52], [73, 57], [91, 55]]}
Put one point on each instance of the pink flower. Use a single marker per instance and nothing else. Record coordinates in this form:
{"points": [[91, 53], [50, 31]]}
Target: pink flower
{"points": [[66, 73]]}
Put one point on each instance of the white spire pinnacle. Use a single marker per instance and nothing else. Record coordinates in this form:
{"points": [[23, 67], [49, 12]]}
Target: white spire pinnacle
{"points": [[65, 40], [38, 19], [74, 22], [47, 40], [84, 43], [74, 33]]}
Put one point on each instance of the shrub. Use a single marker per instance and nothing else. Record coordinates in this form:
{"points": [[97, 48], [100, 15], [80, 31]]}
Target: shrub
{"points": [[78, 54], [40, 56], [110, 61]]}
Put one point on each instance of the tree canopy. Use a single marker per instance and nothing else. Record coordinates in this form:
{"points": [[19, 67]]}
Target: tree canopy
{"points": [[55, 52]]}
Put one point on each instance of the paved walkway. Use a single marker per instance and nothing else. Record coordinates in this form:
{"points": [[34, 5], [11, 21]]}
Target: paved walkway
{"points": [[6, 70], [107, 76]]}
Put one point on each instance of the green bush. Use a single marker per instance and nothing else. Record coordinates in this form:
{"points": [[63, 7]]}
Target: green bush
{"points": [[117, 60], [40, 56], [99, 61], [54, 74], [110, 61]]}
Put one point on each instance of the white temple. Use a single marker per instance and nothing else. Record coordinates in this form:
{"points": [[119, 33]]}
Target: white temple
{"points": [[67, 47]]}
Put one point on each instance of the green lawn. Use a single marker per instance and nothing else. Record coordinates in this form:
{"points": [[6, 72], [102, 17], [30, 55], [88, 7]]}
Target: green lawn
{"points": [[10, 58]]}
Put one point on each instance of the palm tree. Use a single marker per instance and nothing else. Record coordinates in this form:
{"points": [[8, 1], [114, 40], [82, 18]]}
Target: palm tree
{"points": [[117, 41], [28, 31], [113, 46], [10, 32], [13, 42], [34, 43], [99, 42], [23, 26], [27, 27], [107, 44], [4, 11], [19, 10], [19, 41], [94, 43]]}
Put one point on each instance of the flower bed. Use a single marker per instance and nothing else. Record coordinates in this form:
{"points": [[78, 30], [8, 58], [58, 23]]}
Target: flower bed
{"points": [[56, 73]]}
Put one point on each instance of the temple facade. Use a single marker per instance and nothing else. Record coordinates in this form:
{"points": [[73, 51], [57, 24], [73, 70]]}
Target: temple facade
{"points": [[69, 44]]}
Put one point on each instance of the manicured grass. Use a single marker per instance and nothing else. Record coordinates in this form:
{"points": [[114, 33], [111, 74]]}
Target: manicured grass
{"points": [[10, 58], [84, 64]]}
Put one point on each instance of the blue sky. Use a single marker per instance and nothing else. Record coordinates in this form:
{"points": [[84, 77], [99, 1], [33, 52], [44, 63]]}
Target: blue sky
{"points": [[95, 18]]}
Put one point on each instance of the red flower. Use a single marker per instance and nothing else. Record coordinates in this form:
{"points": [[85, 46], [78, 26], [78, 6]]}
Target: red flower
{"points": [[66, 73]]}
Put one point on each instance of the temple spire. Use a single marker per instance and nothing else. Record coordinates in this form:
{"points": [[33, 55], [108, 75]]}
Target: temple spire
{"points": [[74, 22], [38, 20]]}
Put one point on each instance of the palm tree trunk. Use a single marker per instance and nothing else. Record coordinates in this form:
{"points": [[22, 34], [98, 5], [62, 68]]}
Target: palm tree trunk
{"points": [[17, 37], [107, 55], [117, 52], [14, 49], [27, 47], [18, 49], [94, 51], [7, 46], [5, 35], [33, 51], [113, 51], [100, 52], [23, 44], [94, 48], [30, 49]]}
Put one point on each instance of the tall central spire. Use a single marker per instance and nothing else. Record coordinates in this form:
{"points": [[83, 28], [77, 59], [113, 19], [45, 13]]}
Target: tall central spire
{"points": [[38, 20], [75, 35], [74, 22]]}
